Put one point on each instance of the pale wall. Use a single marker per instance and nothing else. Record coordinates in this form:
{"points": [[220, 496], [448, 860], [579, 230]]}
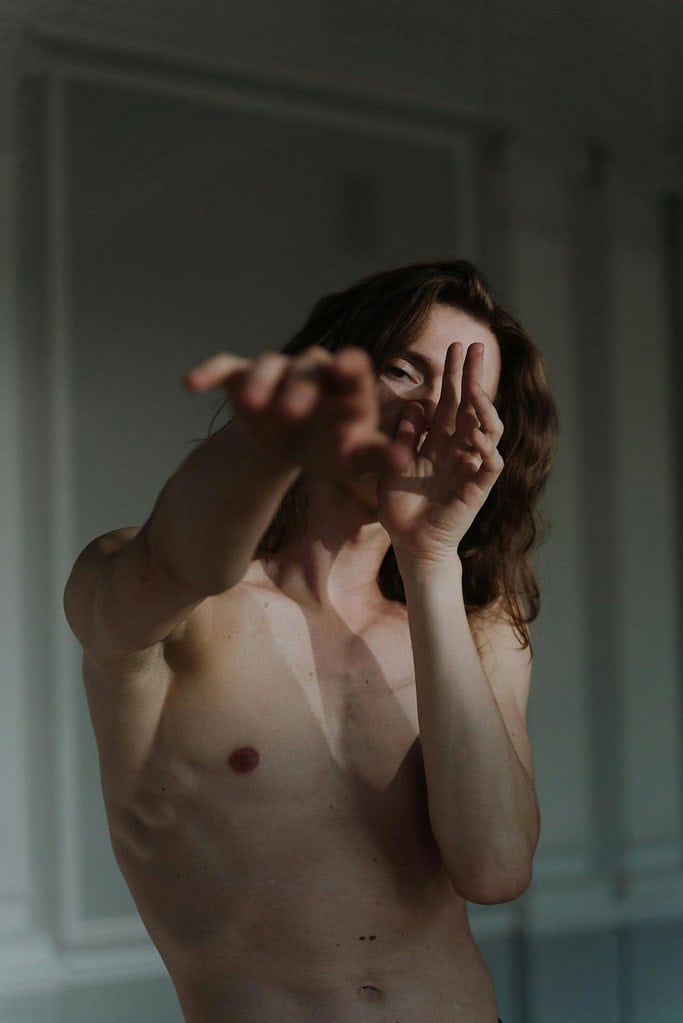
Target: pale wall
{"points": [[156, 210]]}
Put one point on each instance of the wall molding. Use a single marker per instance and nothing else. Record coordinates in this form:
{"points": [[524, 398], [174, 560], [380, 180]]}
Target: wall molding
{"points": [[16, 917], [59, 34], [350, 57], [74, 927], [15, 892], [35, 964]]}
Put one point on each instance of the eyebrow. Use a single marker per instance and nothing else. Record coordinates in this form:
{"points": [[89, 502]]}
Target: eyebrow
{"points": [[418, 359]]}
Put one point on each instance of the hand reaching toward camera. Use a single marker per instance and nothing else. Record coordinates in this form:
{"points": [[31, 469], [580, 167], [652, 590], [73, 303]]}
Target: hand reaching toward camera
{"points": [[317, 410]]}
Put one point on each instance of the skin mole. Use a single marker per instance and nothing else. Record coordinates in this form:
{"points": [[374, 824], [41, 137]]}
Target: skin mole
{"points": [[244, 759]]}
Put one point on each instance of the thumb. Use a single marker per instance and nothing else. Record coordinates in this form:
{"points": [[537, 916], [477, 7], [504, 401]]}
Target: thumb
{"points": [[378, 456], [410, 427]]}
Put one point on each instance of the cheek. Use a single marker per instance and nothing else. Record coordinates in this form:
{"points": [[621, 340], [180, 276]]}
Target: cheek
{"points": [[389, 413]]}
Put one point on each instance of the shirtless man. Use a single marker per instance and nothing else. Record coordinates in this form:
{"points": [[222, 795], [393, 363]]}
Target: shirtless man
{"points": [[305, 781]]}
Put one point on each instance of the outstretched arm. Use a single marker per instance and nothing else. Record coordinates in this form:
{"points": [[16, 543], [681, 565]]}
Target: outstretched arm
{"points": [[132, 589]]}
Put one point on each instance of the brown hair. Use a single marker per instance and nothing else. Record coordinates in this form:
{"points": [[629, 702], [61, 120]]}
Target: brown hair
{"points": [[385, 312]]}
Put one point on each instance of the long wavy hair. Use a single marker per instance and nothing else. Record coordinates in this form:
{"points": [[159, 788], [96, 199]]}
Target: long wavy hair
{"points": [[384, 313]]}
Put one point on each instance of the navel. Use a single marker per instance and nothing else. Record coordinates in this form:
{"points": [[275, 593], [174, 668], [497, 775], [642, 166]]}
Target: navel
{"points": [[244, 759], [372, 993]]}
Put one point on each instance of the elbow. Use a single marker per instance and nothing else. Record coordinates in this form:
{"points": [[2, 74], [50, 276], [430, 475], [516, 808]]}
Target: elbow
{"points": [[488, 893], [495, 882]]}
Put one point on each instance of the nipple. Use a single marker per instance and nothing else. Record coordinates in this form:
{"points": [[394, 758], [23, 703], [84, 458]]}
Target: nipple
{"points": [[244, 759]]}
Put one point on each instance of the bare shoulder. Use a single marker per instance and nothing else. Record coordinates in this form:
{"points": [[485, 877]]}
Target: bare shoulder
{"points": [[127, 614], [127, 690]]}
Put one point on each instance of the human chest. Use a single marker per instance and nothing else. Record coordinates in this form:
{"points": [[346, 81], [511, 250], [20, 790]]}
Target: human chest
{"points": [[295, 698]]}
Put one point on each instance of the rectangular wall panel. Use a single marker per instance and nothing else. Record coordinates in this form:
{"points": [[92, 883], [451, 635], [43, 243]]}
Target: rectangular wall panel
{"points": [[646, 527], [542, 297]]}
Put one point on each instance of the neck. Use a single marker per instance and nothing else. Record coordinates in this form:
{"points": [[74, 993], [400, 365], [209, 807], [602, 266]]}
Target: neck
{"points": [[335, 564]]}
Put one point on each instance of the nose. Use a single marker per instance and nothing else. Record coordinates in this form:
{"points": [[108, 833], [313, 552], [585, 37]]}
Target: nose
{"points": [[429, 399], [429, 406]]}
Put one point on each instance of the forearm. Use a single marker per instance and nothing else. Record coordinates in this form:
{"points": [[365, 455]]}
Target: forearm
{"points": [[211, 514], [482, 805]]}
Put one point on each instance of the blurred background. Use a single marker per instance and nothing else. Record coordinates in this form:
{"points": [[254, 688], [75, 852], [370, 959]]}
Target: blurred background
{"points": [[179, 177]]}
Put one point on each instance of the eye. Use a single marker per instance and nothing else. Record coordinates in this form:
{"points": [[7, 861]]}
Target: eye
{"points": [[397, 369]]}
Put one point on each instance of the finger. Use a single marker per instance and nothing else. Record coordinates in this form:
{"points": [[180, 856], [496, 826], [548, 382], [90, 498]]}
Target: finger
{"points": [[354, 372], [299, 397], [489, 420], [491, 459], [319, 374], [305, 382], [473, 368], [379, 456], [446, 411], [259, 386], [213, 371], [353, 360], [471, 375]]}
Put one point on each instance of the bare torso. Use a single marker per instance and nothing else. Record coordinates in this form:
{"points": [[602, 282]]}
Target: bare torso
{"points": [[271, 823]]}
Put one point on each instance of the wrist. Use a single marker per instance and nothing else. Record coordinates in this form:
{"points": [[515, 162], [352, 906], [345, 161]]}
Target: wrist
{"points": [[276, 462], [420, 566]]}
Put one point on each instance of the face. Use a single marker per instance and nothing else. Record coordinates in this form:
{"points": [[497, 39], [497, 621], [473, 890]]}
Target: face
{"points": [[415, 374]]}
